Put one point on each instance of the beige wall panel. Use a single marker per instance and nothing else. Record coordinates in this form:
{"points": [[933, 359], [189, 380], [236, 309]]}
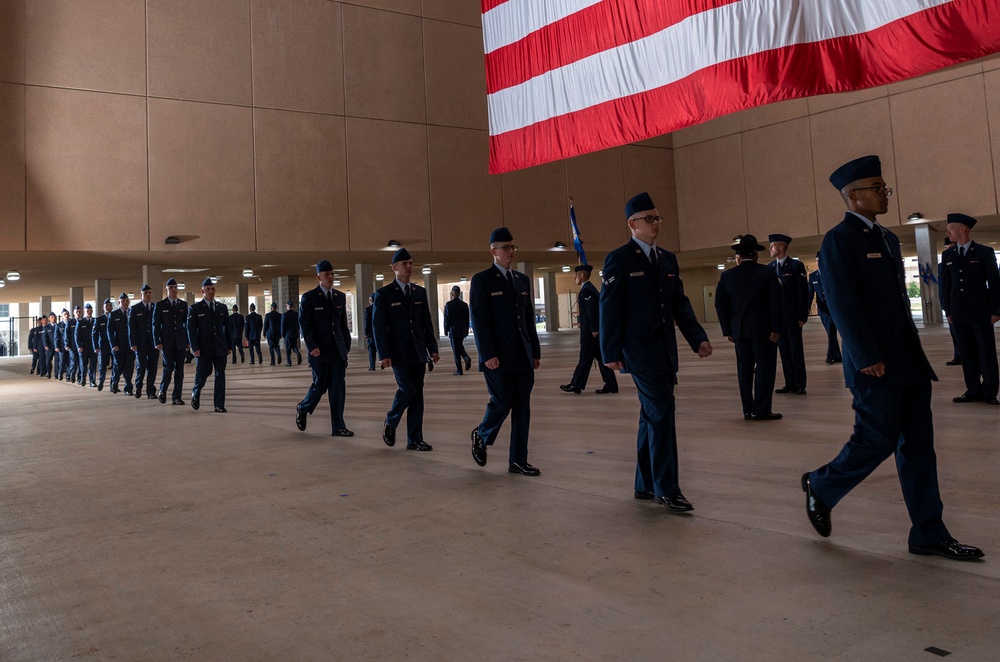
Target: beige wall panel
{"points": [[86, 156], [940, 76], [388, 194], [456, 78], [992, 80], [711, 201], [12, 31], [383, 65], [773, 113], [650, 170], [726, 125], [201, 175], [665, 141], [991, 62], [844, 134], [400, 6], [780, 190], [596, 182], [825, 102], [536, 205], [87, 44], [466, 202], [301, 181], [12, 198], [199, 50], [298, 55], [943, 158], [456, 11]]}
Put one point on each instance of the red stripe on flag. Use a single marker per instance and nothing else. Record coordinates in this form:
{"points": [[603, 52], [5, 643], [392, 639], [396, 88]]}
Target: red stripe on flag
{"points": [[490, 4], [592, 30], [923, 42]]}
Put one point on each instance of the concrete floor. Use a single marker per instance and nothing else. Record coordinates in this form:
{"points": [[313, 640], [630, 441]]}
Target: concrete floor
{"points": [[130, 530]]}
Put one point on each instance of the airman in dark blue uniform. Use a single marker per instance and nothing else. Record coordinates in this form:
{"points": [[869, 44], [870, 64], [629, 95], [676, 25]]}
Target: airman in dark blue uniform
{"points": [[33, 344], [404, 337], [290, 332], [253, 326], [272, 331], [588, 303], [209, 336], [62, 359], [748, 301], [503, 318], [171, 338], [323, 320], [102, 344], [236, 323], [140, 333], [970, 296], [795, 313], [121, 350], [884, 366], [816, 290], [642, 298], [72, 353], [84, 342], [370, 332], [956, 356], [456, 327]]}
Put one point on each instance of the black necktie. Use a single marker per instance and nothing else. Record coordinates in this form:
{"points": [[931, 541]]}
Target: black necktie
{"points": [[885, 238], [329, 298], [961, 251], [510, 280], [652, 256]]}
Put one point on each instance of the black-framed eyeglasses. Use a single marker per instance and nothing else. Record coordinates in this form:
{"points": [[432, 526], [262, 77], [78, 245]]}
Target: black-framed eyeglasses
{"points": [[878, 188], [649, 219], [507, 247]]}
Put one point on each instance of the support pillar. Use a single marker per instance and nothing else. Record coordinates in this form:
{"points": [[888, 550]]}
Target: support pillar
{"points": [[551, 302], [102, 291], [364, 287], [431, 285], [24, 323], [152, 275], [285, 288], [928, 240], [189, 297], [44, 305], [528, 269], [75, 298], [243, 297]]}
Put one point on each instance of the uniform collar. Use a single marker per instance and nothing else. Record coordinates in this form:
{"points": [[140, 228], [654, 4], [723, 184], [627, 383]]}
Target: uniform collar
{"points": [[646, 248]]}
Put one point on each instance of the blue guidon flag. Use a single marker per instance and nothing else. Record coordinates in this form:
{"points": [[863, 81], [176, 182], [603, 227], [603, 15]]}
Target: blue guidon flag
{"points": [[577, 242]]}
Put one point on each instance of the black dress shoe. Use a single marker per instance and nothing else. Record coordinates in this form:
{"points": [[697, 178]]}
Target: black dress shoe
{"points": [[221, 410], [747, 417], [163, 398], [478, 448], [800, 391], [645, 496], [342, 432], [819, 514], [769, 416], [300, 359], [954, 362], [967, 397], [300, 419], [389, 436], [675, 503], [195, 404], [468, 363], [522, 468], [152, 396], [100, 388], [784, 389], [177, 402], [605, 389], [992, 401], [419, 446], [949, 549], [457, 372], [830, 361], [137, 394], [569, 388]]}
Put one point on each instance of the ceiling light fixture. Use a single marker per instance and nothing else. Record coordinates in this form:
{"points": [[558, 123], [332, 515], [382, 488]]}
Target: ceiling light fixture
{"points": [[248, 273], [336, 283], [379, 277], [267, 293], [393, 244], [172, 240], [720, 267], [13, 274], [425, 271], [915, 216], [181, 286], [566, 269], [3, 283], [559, 244]]}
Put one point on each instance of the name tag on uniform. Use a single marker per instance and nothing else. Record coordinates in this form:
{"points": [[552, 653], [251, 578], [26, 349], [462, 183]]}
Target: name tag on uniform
{"points": [[201, 314], [973, 261], [637, 273], [417, 303], [948, 263], [318, 308], [397, 303], [671, 275], [874, 255], [497, 294]]}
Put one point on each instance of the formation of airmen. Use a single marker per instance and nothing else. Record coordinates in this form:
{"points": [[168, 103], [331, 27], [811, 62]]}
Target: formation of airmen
{"points": [[639, 310]]}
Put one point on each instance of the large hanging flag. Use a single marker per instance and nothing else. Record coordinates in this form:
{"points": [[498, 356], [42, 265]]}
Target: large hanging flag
{"points": [[577, 242], [568, 77]]}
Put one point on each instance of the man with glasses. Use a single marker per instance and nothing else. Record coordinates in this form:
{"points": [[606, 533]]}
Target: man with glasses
{"points": [[503, 318], [171, 338], [642, 298], [794, 313], [970, 296], [140, 332], [211, 343], [884, 366], [121, 350]]}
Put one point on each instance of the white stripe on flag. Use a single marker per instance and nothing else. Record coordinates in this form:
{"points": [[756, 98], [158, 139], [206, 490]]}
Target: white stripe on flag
{"points": [[516, 19], [725, 33]]}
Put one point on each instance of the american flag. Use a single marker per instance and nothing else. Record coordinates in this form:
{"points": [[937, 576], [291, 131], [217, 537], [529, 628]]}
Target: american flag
{"points": [[568, 77]]}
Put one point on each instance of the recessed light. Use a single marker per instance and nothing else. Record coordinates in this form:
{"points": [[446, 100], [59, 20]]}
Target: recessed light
{"points": [[565, 269], [13, 274]]}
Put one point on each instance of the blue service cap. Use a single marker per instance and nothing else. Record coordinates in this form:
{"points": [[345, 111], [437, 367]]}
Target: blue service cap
{"points": [[323, 265], [638, 203], [501, 234], [289, 303], [860, 168], [76, 308], [145, 288], [235, 308], [108, 300], [122, 296], [780, 237], [584, 267], [65, 311], [170, 282], [401, 255], [89, 306], [967, 221], [208, 282]]}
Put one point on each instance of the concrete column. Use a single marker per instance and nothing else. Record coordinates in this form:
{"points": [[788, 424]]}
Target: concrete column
{"points": [[431, 284], [24, 323], [189, 297], [364, 287], [551, 303], [243, 297], [102, 291], [44, 305], [75, 298], [285, 288], [928, 256], [528, 269], [152, 275]]}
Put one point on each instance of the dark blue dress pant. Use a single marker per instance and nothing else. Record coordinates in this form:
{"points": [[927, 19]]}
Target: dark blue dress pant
{"points": [[510, 394], [204, 367], [409, 398], [756, 366], [327, 377], [173, 370]]}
